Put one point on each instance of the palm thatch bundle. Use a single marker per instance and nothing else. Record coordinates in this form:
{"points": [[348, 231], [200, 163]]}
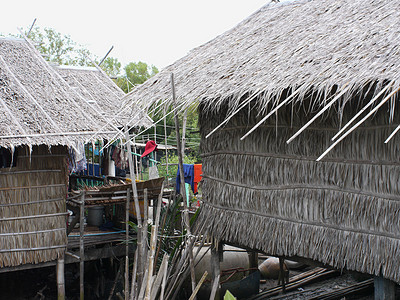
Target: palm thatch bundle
{"points": [[305, 45], [32, 207], [307, 59], [102, 93], [37, 106]]}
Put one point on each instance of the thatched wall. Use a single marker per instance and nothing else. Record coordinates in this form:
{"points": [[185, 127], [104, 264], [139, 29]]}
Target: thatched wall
{"points": [[265, 194], [32, 207]]}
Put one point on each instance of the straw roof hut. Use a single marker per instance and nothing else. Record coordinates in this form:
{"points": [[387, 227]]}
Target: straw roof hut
{"points": [[304, 67], [40, 115], [103, 94]]}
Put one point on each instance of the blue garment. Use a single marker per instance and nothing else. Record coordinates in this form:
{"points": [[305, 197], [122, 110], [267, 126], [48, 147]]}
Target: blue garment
{"points": [[188, 173]]}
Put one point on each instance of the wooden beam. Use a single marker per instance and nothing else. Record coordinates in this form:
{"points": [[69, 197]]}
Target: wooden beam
{"points": [[384, 289]]}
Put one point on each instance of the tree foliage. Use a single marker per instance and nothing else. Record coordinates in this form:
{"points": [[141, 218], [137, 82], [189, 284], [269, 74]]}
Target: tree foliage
{"points": [[60, 48], [135, 73]]}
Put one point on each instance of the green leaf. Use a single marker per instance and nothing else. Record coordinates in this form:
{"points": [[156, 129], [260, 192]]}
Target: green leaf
{"points": [[229, 296]]}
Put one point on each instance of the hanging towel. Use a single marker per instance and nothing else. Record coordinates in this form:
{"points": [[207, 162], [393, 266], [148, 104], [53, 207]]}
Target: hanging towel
{"points": [[188, 173], [197, 176]]}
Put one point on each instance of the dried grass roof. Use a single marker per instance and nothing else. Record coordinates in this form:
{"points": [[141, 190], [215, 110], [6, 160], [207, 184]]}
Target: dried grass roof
{"points": [[311, 45], [37, 106], [101, 92]]}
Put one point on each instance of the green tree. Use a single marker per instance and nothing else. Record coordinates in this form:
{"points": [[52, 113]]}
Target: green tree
{"points": [[60, 48], [136, 73], [112, 67]]}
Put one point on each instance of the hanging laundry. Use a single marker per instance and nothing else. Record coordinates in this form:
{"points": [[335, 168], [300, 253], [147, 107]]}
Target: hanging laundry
{"points": [[188, 174], [198, 174], [77, 158], [150, 147]]}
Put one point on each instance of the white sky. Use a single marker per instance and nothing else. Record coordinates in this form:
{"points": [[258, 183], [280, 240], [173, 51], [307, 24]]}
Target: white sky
{"points": [[157, 32]]}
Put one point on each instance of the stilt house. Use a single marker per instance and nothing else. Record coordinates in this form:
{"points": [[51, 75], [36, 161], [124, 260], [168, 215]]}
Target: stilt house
{"points": [[299, 73], [40, 117]]}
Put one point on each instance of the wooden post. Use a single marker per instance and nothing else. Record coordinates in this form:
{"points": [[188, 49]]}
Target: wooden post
{"points": [[128, 197], [183, 190], [253, 261], [384, 289], [184, 131], [60, 279], [139, 247], [166, 150], [215, 269], [82, 247], [282, 274]]}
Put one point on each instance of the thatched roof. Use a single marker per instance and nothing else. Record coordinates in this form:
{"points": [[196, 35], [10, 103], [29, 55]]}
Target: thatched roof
{"points": [[311, 45], [37, 106], [100, 91]]}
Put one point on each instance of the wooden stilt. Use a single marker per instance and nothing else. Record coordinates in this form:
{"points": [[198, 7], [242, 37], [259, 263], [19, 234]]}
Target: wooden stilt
{"points": [[282, 274], [216, 253], [384, 289], [128, 196], [60, 279], [82, 247], [253, 261]]}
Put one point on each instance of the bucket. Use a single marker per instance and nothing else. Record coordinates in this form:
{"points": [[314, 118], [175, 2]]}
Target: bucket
{"points": [[95, 215]]}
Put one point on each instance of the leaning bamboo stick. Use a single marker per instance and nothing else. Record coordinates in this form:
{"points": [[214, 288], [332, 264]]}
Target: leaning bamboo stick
{"points": [[151, 261], [145, 228], [271, 113], [127, 205], [392, 134], [138, 216], [244, 104], [345, 89], [133, 285], [361, 111], [198, 285], [358, 123], [185, 208], [159, 278], [164, 282]]}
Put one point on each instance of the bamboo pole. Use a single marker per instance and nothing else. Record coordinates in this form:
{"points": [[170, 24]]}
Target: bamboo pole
{"points": [[392, 134], [166, 149], [216, 270], [164, 282], [361, 111], [184, 131], [60, 278], [127, 205], [320, 112], [198, 285], [82, 247], [271, 113], [183, 190], [358, 123], [145, 227], [159, 277], [133, 284], [234, 113], [151, 261], [138, 216]]}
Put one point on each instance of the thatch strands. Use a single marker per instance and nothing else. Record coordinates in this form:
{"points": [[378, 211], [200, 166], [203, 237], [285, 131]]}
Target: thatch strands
{"points": [[265, 194], [32, 207], [37, 106], [306, 45], [102, 93]]}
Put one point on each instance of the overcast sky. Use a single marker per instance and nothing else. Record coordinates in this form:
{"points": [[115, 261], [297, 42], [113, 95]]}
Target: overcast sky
{"points": [[157, 32]]}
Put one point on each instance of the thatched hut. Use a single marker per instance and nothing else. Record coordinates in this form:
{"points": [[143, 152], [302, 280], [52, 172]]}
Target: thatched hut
{"points": [[40, 117], [314, 63], [103, 94]]}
